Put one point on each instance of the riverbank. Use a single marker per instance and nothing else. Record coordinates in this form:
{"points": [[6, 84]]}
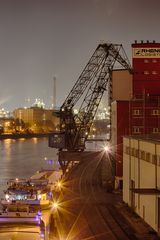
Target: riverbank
{"points": [[23, 135]]}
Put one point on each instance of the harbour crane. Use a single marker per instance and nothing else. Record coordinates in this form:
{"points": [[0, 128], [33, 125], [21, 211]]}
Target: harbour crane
{"points": [[95, 79]]}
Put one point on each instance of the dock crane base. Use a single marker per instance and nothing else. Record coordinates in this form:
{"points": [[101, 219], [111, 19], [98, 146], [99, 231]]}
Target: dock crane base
{"points": [[68, 159]]}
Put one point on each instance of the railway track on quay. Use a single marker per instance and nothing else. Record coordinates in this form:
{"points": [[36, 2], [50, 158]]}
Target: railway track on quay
{"points": [[92, 211]]}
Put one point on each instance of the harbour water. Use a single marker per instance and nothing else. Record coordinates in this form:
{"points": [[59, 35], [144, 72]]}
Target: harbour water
{"points": [[23, 157]]}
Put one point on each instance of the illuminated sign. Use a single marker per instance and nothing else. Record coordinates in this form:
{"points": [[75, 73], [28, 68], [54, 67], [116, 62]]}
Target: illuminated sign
{"points": [[146, 52]]}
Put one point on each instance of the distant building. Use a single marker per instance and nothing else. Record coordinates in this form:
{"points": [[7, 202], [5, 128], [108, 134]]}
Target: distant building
{"points": [[7, 125], [37, 119], [6, 121], [141, 177], [4, 113]]}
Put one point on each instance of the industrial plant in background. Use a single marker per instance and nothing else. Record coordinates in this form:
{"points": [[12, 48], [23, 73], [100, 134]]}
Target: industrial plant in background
{"points": [[34, 119]]}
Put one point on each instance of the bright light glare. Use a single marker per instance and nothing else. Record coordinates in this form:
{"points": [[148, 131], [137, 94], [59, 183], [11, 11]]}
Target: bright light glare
{"points": [[7, 196], [75, 111], [55, 205], [39, 196], [106, 148], [59, 184]]}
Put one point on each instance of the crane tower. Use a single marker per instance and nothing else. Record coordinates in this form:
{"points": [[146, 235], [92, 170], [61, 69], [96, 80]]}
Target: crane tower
{"points": [[92, 82]]}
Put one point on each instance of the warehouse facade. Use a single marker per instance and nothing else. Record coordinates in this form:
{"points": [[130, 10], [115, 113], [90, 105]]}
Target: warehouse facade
{"points": [[138, 114], [141, 177]]}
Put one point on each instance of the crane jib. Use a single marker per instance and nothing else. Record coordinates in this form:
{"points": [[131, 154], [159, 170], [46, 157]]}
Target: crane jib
{"points": [[95, 79]]}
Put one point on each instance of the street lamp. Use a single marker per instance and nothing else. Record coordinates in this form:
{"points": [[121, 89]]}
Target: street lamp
{"points": [[107, 148], [55, 205]]}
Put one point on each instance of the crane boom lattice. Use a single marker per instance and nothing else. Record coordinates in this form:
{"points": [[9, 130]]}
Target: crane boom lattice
{"points": [[95, 79]]}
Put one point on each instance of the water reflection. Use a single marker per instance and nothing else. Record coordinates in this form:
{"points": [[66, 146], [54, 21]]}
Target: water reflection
{"points": [[7, 148], [35, 140], [23, 157], [22, 139]]}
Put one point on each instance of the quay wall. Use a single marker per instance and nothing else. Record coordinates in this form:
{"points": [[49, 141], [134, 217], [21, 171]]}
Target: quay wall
{"points": [[23, 135]]}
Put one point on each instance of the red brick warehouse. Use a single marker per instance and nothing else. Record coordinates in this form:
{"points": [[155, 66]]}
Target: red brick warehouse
{"points": [[141, 113]]}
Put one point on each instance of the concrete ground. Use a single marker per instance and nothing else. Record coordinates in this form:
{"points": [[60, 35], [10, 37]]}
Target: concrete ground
{"points": [[88, 211], [129, 221]]}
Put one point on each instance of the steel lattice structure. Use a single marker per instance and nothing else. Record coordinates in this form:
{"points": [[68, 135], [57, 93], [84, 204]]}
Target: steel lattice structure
{"points": [[96, 78], [93, 81]]}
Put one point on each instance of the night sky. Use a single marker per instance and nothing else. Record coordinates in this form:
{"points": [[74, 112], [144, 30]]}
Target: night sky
{"points": [[40, 39]]}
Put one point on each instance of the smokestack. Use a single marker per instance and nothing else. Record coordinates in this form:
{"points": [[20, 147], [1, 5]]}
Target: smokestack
{"points": [[54, 92]]}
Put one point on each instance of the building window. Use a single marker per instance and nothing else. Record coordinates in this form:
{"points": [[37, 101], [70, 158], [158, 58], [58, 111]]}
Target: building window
{"points": [[143, 155], [154, 72], [146, 72], [155, 130], [136, 130], [136, 153], [158, 160], [154, 159], [136, 112], [132, 152], [148, 157], [155, 112], [154, 60]]}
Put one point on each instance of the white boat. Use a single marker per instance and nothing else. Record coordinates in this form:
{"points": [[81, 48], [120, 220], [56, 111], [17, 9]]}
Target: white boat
{"points": [[35, 192], [20, 213]]}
